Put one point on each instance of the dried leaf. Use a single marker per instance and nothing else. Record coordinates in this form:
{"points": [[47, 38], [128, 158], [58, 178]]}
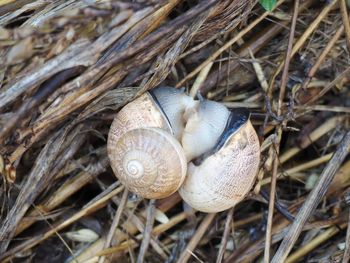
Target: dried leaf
{"points": [[4, 33], [2, 164], [20, 52], [83, 235]]}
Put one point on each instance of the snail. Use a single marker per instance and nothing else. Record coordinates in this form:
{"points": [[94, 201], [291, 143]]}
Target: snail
{"points": [[219, 152], [222, 176], [142, 146]]}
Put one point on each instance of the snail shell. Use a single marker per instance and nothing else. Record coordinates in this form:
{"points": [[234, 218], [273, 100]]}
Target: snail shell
{"points": [[228, 171], [148, 162], [140, 113]]}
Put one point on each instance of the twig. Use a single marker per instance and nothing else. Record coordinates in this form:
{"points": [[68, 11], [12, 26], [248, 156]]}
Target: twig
{"points": [[279, 207], [346, 256], [156, 231], [298, 168], [186, 254], [224, 47], [288, 58], [115, 223], [329, 86], [259, 72], [255, 44], [200, 79], [63, 192], [322, 56], [45, 89], [313, 136], [10, 5], [268, 235], [100, 202], [279, 133], [331, 108], [147, 232], [225, 236], [37, 178], [300, 42], [314, 243], [346, 21], [313, 200], [165, 205]]}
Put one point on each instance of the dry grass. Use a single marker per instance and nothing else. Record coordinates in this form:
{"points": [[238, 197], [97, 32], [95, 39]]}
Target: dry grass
{"points": [[68, 66]]}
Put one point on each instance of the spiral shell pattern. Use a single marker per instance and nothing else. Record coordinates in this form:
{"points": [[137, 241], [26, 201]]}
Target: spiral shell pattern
{"points": [[149, 162]]}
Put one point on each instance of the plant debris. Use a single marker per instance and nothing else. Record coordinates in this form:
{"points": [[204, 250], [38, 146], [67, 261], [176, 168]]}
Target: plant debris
{"points": [[67, 67]]}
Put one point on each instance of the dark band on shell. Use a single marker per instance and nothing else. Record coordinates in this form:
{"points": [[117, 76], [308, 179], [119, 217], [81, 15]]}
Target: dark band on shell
{"points": [[238, 117], [156, 101]]}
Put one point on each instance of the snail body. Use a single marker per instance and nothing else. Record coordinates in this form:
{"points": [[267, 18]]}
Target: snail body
{"points": [[140, 140], [174, 103], [204, 125], [227, 172]]}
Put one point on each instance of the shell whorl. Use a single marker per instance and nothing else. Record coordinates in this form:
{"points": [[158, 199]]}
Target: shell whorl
{"points": [[149, 162], [133, 167], [226, 177], [140, 113]]}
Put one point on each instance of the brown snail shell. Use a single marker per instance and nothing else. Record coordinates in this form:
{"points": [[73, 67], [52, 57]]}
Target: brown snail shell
{"points": [[225, 174], [140, 113], [130, 128], [149, 162]]}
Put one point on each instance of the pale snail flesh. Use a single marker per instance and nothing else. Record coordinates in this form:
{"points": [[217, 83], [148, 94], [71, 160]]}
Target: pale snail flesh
{"points": [[174, 103], [204, 125], [130, 137], [224, 175]]}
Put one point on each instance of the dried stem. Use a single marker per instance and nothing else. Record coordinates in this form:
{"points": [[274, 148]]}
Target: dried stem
{"points": [[346, 256], [186, 254], [301, 41], [90, 208], [279, 133], [115, 223], [225, 47], [322, 56], [147, 232], [225, 236], [346, 21], [313, 200]]}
